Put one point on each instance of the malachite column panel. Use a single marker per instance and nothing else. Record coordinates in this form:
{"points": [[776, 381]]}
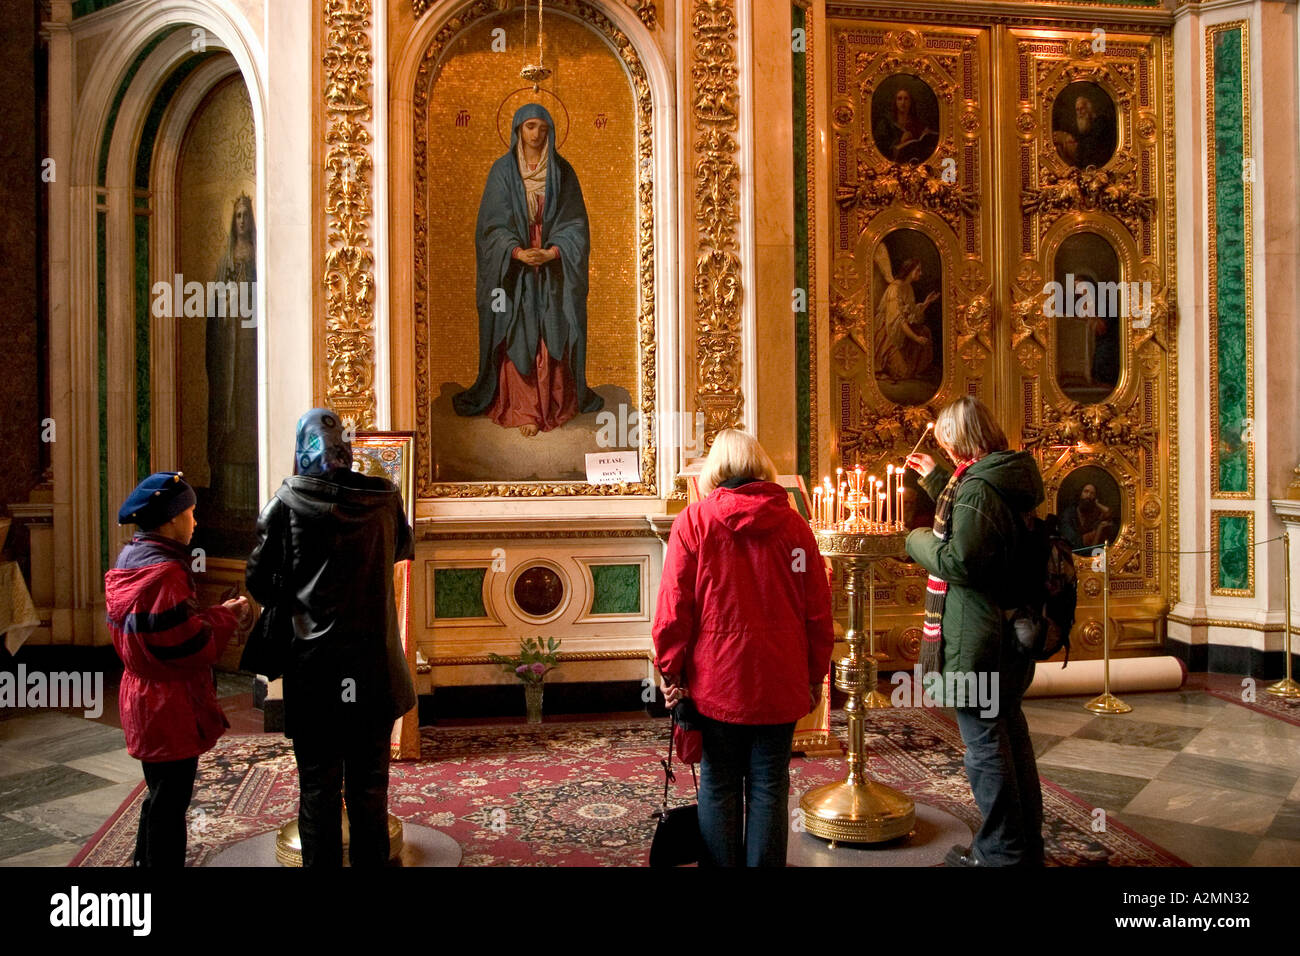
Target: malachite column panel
{"points": [[1231, 302]]}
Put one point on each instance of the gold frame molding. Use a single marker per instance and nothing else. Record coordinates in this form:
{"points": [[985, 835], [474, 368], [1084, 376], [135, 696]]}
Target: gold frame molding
{"points": [[1212, 211], [1249, 590], [349, 277], [431, 62]]}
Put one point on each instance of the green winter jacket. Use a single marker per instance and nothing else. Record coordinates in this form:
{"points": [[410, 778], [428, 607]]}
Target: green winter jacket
{"points": [[981, 563]]}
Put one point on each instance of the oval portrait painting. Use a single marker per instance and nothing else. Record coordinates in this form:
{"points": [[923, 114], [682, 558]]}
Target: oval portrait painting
{"points": [[905, 119], [1084, 128]]}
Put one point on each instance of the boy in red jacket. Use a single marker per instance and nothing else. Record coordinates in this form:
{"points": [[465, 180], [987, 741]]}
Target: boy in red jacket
{"points": [[168, 644]]}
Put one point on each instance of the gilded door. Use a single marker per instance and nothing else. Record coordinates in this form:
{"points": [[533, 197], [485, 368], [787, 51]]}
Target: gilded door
{"points": [[998, 227]]}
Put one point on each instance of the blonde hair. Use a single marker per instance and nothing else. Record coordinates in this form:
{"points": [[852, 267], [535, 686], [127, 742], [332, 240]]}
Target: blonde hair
{"points": [[968, 429], [735, 454]]}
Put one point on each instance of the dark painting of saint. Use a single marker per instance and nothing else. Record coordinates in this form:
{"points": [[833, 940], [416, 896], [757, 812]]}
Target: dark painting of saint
{"points": [[1088, 317], [1084, 125], [532, 244], [1088, 506], [905, 119], [231, 361]]}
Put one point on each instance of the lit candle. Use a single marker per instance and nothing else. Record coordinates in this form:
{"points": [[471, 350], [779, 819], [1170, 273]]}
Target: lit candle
{"points": [[817, 506], [839, 493], [898, 517], [883, 499], [889, 490], [928, 426]]}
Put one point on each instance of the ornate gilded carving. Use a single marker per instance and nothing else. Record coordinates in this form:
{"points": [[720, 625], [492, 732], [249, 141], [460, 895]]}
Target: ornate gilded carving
{"points": [[426, 76], [715, 95], [1088, 190], [916, 185], [349, 257]]}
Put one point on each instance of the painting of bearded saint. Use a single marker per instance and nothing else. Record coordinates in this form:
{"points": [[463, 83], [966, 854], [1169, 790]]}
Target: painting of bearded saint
{"points": [[1089, 508], [532, 244], [1083, 125]]}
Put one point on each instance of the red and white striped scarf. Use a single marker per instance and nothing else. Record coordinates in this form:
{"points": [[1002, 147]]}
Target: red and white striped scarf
{"points": [[936, 589]]}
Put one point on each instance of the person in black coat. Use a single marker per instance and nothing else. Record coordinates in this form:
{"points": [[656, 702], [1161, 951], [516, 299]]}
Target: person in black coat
{"points": [[327, 542]]}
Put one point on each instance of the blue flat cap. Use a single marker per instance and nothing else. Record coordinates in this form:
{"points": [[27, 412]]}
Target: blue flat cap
{"points": [[156, 500]]}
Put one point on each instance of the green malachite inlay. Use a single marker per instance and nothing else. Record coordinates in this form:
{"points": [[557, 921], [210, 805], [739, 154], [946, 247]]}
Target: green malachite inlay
{"points": [[101, 375], [118, 97], [1230, 268], [458, 592], [1234, 553], [802, 385], [617, 589]]}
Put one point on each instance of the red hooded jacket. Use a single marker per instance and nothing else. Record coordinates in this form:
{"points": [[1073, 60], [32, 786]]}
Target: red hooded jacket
{"points": [[744, 611], [168, 643]]}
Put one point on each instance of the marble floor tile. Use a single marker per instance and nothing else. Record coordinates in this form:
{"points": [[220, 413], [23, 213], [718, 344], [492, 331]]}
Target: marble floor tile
{"points": [[16, 838], [1295, 792], [1204, 806], [1199, 846], [1244, 720], [1229, 774], [1043, 742], [1054, 721], [1242, 745], [13, 761], [1273, 852], [1286, 823], [39, 723], [1110, 791], [1067, 705], [1106, 757], [1171, 712], [76, 817], [116, 765], [84, 741], [56, 854], [44, 784], [1125, 730]]}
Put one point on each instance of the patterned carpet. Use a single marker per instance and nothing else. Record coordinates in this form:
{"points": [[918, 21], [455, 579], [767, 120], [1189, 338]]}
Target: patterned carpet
{"points": [[581, 794]]}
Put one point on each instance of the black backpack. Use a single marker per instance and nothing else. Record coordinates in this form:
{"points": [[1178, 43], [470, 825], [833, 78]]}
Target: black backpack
{"points": [[1045, 605]]}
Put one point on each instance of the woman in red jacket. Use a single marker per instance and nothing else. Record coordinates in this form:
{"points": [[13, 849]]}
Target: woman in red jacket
{"points": [[169, 709], [743, 628]]}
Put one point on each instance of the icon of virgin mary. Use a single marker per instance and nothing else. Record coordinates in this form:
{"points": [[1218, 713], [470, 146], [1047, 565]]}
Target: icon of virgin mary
{"points": [[532, 243]]}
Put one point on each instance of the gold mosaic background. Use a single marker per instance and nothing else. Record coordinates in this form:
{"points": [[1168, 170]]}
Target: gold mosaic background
{"points": [[590, 81], [217, 163]]}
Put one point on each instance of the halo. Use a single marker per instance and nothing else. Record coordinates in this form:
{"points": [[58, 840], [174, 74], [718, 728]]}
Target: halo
{"points": [[517, 98]]}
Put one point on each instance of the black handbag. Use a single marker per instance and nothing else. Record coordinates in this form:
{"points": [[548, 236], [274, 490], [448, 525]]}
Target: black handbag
{"points": [[270, 643], [677, 839]]}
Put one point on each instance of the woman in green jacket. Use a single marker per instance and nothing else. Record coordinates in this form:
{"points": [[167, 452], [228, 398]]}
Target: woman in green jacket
{"points": [[977, 562]]}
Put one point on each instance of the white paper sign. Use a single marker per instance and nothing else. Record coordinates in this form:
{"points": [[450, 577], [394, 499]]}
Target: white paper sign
{"points": [[612, 467]]}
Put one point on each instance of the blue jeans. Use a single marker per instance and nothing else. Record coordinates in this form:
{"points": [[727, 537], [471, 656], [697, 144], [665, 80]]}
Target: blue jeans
{"points": [[745, 793], [1003, 777]]}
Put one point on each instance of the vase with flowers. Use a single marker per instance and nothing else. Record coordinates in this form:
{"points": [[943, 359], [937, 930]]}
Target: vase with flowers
{"points": [[535, 660]]}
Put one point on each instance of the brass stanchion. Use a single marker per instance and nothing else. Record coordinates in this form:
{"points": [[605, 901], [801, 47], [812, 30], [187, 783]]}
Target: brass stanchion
{"points": [[1286, 687], [1107, 703], [874, 700], [857, 810]]}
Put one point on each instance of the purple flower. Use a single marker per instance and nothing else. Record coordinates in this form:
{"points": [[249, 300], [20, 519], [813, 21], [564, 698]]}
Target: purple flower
{"points": [[539, 668], [521, 670]]}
